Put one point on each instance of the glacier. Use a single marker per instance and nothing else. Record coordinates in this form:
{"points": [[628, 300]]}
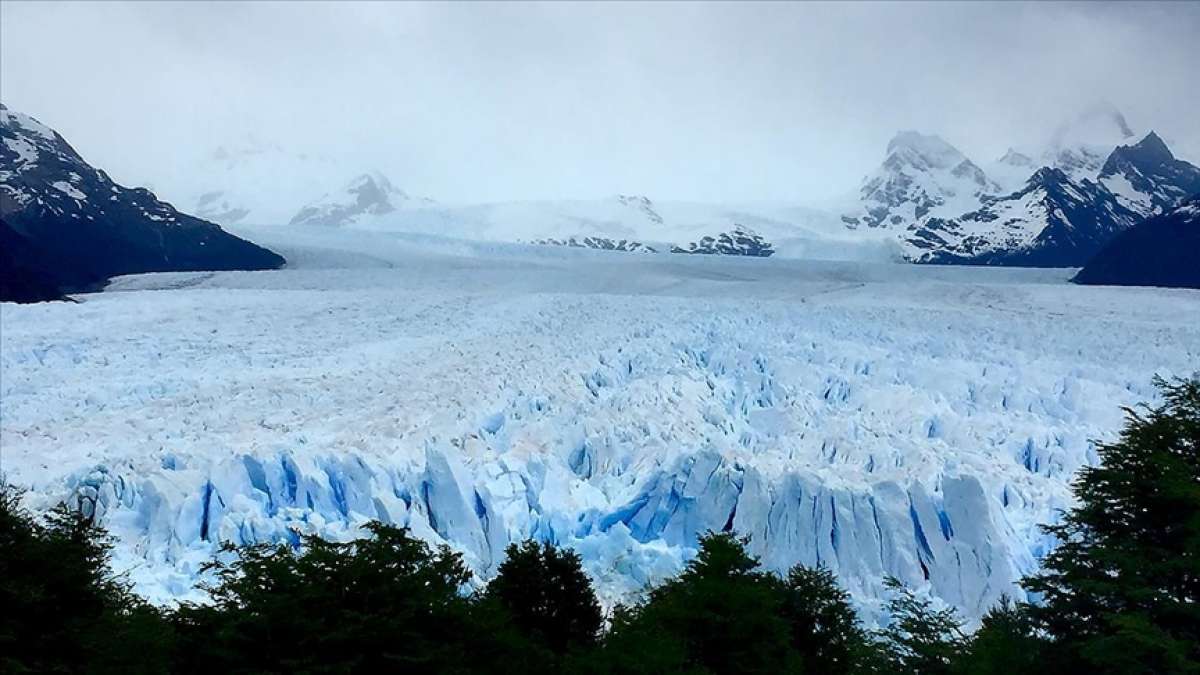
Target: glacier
{"points": [[876, 419]]}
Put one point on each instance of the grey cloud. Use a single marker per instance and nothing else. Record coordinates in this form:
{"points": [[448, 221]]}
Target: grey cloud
{"points": [[705, 101]]}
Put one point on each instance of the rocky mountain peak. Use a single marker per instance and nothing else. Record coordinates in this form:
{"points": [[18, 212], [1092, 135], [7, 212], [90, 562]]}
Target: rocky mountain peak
{"points": [[1013, 158], [930, 149]]}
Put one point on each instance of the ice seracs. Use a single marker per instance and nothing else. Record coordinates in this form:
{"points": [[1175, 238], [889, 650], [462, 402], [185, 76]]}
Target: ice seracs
{"points": [[900, 420]]}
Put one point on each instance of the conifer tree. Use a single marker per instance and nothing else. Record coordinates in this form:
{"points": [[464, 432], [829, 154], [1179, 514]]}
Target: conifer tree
{"points": [[548, 596], [1121, 592]]}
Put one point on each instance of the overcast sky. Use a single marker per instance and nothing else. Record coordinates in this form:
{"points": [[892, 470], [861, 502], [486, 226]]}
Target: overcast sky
{"points": [[706, 101]]}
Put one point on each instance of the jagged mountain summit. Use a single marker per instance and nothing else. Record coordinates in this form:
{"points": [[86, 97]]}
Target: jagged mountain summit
{"points": [[942, 208], [1051, 222], [1012, 170], [1059, 221], [921, 176], [1163, 250], [86, 228], [1147, 178], [366, 196]]}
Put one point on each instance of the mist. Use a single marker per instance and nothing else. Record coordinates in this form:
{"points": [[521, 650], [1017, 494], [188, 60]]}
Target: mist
{"points": [[492, 102]]}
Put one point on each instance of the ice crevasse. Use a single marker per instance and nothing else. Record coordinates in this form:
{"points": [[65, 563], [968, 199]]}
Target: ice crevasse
{"points": [[874, 441]]}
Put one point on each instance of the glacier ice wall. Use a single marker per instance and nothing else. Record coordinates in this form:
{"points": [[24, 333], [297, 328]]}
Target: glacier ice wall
{"points": [[918, 428]]}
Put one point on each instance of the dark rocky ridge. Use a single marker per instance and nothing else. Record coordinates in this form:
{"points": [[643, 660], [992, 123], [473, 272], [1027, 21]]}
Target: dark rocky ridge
{"points": [[85, 228], [1163, 250], [738, 241]]}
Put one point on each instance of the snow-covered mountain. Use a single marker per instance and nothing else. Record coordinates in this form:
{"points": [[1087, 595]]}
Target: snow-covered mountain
{"points": [[86, 228], [1163, 250], [366, 197], [1146, 178], [1051, 222], [1080, 146], [252, 181], [649, 223], [1056, 220], [738, 241], [921, 176], [1011, 171], [599, 243], [940, 207]]}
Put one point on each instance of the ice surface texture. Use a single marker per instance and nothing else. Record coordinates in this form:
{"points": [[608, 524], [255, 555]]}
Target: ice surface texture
{"points": [[876, 419]]}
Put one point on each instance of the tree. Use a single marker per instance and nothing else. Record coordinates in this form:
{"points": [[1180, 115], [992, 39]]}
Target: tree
{"points": [[825, 631], [919, 637], [1007, 641], [1121, 592], [721, 615], [545, 591], [387, 602], [64, 610]]}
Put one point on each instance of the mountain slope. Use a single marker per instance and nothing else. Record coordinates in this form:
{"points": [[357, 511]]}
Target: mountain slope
{"points": [[1164, 250], [22, 270], [1064, 213], [1051, 222], [367, 196], [1012, 171], [921, 176], [87, 228], [738, 241], [1080, 146], [1147, 178]]}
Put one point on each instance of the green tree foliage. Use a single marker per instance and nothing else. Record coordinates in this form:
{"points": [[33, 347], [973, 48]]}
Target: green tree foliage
{"points": [[547, 595], [724, 614], [919, 637], [1121, 592], [825, 631], [721, 615], [1006, 642], [386, 602], [61, 607]]}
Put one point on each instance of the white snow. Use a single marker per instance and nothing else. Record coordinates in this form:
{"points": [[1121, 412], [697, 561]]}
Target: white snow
{"points": [[878, 419], [921, 177], [26, 152], [1011, 171], [1129, 196], [8, 117], [69, 190]]}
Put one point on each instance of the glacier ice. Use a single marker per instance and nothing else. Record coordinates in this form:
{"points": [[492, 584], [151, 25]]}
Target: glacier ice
{"points": [[876, 419]]}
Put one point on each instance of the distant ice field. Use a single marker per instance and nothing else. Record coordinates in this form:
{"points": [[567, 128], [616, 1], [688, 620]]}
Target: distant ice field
{"points": [[877, 419]]}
